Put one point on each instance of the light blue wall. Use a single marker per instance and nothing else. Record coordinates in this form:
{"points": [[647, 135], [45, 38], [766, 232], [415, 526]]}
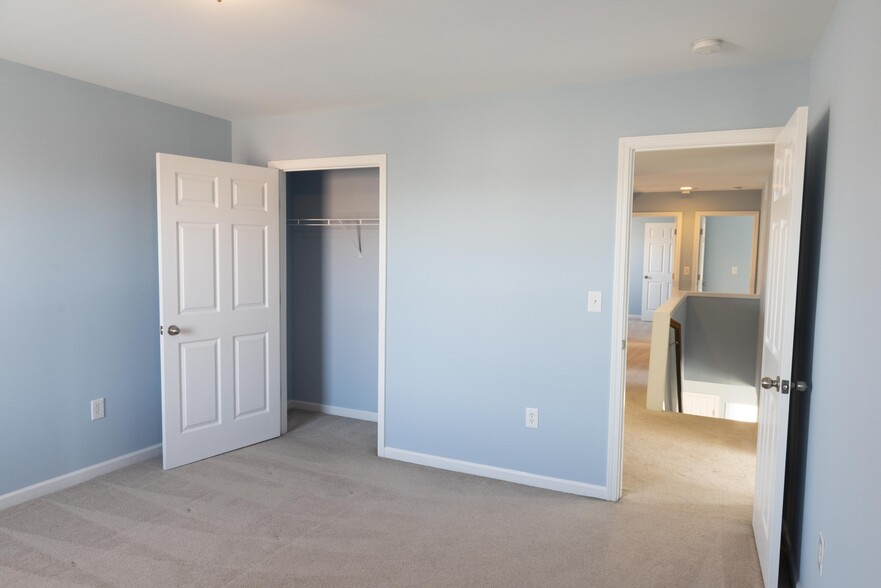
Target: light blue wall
{"points": [[843, 468], [501, 217], [333, 290], [79, 302], [637, 255], [729, 243]]}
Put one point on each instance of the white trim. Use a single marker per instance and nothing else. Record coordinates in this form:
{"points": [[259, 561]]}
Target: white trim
{"points": [[754, 252], [283, 296], [379, 161], [79, 476], [349, 413], [515, 476], [627, 149]]}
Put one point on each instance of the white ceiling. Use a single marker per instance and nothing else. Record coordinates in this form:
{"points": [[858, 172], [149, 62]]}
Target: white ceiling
{"points": [[708, 169], [248, 58]]}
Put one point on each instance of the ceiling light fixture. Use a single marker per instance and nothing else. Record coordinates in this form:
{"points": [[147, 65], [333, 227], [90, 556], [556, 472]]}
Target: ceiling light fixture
{"points": [[706, 46], [686, 189]]}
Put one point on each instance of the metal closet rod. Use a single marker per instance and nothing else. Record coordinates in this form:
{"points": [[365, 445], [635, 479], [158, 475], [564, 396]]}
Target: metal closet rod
{"points": [[332, 222]]}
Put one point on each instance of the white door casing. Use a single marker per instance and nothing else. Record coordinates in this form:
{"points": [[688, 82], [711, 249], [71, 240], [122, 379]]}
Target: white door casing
{"points": [[770, 459], [378, 161], [218, 229], [628, 147], [700, 242], [658, 263], [778, 305], [701, 249]]}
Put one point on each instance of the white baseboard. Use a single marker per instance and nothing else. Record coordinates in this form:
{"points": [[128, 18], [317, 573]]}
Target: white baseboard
{"points": [[518, 477], [78, 477], [351, 413]]}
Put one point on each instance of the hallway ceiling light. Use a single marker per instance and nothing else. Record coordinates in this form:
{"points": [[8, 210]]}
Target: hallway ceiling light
{"points": [[686, 189], [706, 46]]}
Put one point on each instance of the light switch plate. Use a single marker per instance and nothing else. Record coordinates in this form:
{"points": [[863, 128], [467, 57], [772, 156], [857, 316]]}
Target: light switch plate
{"points": [[594, 301]]}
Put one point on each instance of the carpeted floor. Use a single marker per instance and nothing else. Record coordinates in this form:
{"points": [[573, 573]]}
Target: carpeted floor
{"points": [[318, 508]]}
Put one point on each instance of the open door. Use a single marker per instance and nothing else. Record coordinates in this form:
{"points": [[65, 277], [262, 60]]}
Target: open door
{"points": [[777, 341], [218, 306]]}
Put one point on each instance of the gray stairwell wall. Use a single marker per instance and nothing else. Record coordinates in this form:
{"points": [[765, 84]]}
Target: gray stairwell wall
{"points": [[720, 339]]}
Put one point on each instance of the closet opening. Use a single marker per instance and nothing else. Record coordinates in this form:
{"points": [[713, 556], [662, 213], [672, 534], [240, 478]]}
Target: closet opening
{"points": [[333, 287]]}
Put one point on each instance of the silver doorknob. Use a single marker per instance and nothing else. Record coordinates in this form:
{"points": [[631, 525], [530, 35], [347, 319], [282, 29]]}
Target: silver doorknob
{"points": [[800, 386], [173, 330], [767, 383]]}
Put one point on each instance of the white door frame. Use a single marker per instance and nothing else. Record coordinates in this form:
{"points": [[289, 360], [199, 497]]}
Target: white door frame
{"points": [[628, 147], [330, 163], [754, 252]]}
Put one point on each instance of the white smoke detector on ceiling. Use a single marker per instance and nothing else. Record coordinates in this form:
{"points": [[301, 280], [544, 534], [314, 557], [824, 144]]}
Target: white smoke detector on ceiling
{"points": [[706, 46]]}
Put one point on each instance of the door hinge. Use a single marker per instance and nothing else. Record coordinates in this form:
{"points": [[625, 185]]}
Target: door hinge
{"points": [[702, 232], [623, 344], [161, 330], [675, 231]]}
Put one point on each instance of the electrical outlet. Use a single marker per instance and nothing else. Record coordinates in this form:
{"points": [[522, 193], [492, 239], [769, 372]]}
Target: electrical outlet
{"points": [[532, 418], [733, 270], [821, 551], [97, 409]]}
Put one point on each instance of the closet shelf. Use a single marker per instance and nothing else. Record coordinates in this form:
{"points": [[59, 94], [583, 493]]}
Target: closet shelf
{"points": [[332, 222]]}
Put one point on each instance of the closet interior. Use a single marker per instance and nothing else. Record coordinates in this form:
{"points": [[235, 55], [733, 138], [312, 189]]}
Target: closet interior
{"points": [[332, 249]]}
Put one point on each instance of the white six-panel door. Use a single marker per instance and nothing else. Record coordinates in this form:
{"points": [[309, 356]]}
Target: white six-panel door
{"points": [[777, 340], [219, 306], [658, 260]]}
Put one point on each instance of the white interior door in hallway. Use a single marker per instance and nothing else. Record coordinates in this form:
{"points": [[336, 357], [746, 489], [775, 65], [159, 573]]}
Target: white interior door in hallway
{"points": [[658, 264]]}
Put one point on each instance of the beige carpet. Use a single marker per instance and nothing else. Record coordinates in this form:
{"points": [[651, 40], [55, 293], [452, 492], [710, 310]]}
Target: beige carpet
{"points": [[318, 508]]}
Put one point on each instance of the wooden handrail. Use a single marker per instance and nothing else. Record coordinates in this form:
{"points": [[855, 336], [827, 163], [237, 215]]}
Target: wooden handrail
{"points": [[677, 340]]}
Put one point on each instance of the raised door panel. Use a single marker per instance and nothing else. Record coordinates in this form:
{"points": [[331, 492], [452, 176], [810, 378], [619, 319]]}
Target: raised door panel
{"points": [[655, 293], [249, 267], [200, 384], [196, 190], [197, 267], [247, 195], [251, 374]]}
